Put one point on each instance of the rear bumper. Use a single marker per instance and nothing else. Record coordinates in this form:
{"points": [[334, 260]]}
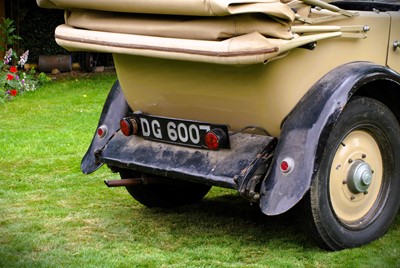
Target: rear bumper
{"points": [[220, 168]]}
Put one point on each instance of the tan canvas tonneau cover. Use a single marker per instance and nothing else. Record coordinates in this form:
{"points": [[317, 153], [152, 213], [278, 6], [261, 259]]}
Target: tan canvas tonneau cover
{"points": [[188, 27], [179, 7], [246, 49], [215, 31]]}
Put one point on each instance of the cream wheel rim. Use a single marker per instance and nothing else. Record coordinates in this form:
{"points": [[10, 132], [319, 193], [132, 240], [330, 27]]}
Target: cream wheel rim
{"points": [[355, 177]]}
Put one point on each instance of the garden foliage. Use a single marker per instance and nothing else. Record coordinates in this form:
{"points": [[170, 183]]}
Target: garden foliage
{"points": [[14, 80]]}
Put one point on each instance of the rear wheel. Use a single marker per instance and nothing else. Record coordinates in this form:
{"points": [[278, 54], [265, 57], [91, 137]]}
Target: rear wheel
{"points": [[165, 193], [88, 61], [355, 195]]}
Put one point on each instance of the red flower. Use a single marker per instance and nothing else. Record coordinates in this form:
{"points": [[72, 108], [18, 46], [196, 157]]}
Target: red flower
{"points": [[13, 69], [10, 77], [13, 92]]}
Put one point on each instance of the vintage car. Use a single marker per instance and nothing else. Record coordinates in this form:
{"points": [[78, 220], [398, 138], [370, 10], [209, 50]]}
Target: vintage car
{"points": [[288, 102]]}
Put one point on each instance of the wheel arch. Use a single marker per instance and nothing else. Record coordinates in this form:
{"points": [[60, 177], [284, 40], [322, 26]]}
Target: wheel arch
{"points": [[384, 90], [306, 129]]}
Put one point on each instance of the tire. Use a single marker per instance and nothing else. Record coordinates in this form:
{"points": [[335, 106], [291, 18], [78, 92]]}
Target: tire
{"points": [[89, 61], [168, 193], [356, 193]]}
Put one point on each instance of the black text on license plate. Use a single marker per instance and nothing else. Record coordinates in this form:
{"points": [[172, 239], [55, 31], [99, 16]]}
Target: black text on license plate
{"points": [[171, 130]]}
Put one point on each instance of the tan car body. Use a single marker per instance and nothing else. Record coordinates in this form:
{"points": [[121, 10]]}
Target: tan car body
{"points": [[235, 92], [260, 94]]}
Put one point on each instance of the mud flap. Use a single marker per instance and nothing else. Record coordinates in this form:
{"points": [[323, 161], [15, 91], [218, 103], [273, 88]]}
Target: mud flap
{"points": [[114, 109]]}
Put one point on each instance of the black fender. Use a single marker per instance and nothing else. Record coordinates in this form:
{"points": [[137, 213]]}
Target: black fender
{"points": [[114, 109], [307, 128]]}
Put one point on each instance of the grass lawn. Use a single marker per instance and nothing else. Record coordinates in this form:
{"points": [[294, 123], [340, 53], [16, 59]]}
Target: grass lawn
{"points": [[51, 215]]}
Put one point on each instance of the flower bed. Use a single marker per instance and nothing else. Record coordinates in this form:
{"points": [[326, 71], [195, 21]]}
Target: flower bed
{"points": [[15, 80]]}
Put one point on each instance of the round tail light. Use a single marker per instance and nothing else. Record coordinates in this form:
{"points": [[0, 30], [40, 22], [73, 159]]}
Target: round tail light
{"points": [[102, 131], [287, 165], [215, 139], [128, 126]]}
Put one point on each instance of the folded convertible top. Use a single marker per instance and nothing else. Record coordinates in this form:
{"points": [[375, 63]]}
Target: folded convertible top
{"points": [[186, 27], [245, 49], [214, 31], [272, 8]]}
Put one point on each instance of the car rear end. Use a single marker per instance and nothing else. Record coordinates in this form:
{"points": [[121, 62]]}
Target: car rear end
{"points": [[236, 94]]}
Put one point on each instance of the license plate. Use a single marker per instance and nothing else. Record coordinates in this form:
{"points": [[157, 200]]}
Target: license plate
{"points": [[176, 131]]}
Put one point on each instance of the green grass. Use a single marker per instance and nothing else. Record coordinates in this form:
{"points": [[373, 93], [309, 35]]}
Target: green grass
{"points": [[51, 215]]}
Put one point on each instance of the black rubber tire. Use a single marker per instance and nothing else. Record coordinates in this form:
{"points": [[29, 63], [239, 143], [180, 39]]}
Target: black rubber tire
{"points": [[361, 115], [168, 194], [89, 61]]}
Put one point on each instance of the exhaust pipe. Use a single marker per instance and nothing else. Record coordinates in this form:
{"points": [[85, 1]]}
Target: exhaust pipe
{"points": [[124, 182], [135, 181]]}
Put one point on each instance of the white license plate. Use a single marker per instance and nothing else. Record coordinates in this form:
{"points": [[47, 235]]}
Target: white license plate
{"points": [[178, 131]]}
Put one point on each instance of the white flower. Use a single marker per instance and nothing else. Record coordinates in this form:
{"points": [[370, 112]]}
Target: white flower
{"points": [[23, 59]]}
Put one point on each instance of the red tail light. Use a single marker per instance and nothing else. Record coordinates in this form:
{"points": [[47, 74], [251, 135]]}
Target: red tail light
{"points": [[102, 131], [287, 165], [128, 126], [215, 139]]}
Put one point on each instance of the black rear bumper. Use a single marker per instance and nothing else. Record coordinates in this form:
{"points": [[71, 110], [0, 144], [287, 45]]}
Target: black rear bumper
{"points": [[220, 168]]}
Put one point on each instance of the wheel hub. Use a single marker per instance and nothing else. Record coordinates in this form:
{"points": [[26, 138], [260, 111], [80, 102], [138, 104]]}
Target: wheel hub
{"points": [[359, 177], [355, 176]]}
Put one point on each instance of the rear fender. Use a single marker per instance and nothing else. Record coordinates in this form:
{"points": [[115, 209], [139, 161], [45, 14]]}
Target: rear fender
{"points": [[306, 130], [114, 109]]}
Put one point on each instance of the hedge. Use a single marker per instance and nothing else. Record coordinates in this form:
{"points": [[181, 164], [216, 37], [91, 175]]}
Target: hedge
{"points": [[36, 27]]}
